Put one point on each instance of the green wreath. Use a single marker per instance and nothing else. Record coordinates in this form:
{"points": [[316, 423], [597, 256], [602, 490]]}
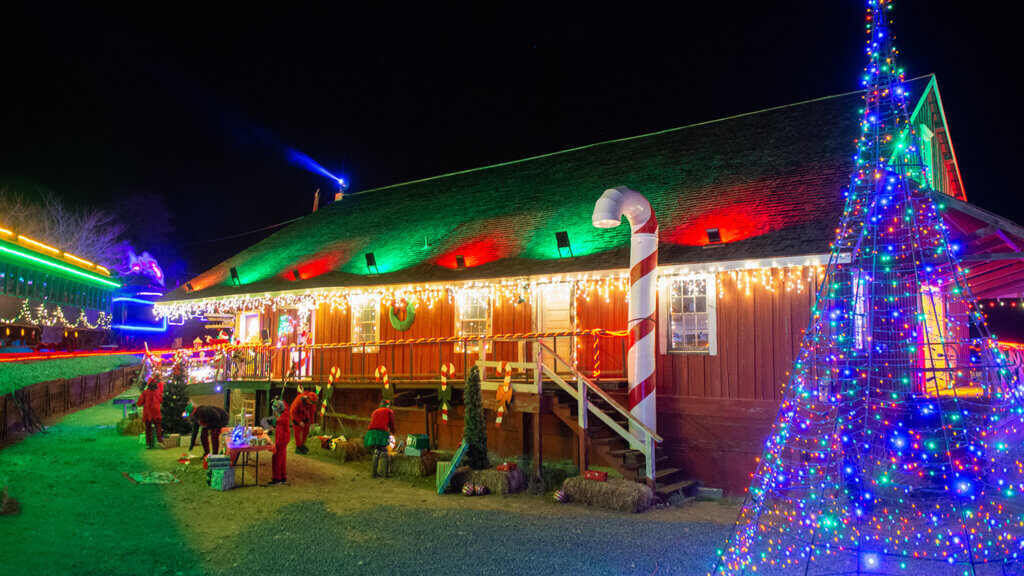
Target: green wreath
{"points": [[410, 317]]}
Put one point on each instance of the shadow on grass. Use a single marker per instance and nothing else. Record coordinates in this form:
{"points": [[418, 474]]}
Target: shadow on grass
{"points": [[80, 515]]}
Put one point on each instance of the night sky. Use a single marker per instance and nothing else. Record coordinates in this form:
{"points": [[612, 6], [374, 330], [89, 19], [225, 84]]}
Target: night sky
{"points": [[200, 104]]}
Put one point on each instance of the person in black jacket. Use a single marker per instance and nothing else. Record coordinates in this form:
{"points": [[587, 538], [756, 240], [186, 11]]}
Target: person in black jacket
{"points": [[211, 419]]}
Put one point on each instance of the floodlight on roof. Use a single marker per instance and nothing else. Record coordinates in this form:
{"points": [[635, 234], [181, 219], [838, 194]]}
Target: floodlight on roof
{"points": [[562, 240], [371, 263], [234, 276], [460, 262], [714, 236]]}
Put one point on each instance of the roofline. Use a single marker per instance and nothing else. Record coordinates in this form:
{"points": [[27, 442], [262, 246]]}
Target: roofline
{"points": [[949, 137], [625, 139]]}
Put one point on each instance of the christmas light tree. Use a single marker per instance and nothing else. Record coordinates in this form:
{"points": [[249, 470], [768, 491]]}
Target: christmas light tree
{"points": [[899, 444], [176, 397]]}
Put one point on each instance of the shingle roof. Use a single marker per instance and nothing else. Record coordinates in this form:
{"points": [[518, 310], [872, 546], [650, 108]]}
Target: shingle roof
{"points": [[771, 181]]}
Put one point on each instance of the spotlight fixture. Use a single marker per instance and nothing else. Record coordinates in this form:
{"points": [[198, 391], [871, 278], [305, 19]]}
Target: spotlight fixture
{"points": [[234, 276], [371, 263], [714, 236], [188, 287], [460, 262], [562, 240], [295, 275]]}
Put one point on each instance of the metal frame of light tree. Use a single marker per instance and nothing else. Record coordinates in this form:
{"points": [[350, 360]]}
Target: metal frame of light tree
{"points": [[887, 457]]}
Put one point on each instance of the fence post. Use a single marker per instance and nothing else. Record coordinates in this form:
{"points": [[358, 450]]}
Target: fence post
{"points": [[582, 420], [649, 467]]}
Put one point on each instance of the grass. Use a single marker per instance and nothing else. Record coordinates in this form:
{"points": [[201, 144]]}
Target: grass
{"points": [[15, 375]]}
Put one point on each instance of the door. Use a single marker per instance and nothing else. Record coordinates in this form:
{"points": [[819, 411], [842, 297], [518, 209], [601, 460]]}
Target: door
{"points": [[555, 314]]}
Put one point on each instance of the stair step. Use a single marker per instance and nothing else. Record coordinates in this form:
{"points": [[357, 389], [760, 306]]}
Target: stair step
{"points": [[664, 472], [640, 464], [623, 452], [607, 439], [666, 489]]}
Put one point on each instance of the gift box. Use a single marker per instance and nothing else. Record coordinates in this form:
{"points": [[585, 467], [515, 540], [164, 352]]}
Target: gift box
{"points": [[410, 451], [418, 441], [172, 440], [325, 442], [596, 475], [142, 439], [507, 466], [222, 479], [218, 461]]}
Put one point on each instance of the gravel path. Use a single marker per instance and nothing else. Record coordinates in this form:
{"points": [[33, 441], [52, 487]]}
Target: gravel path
{"points": [[306, 538]]}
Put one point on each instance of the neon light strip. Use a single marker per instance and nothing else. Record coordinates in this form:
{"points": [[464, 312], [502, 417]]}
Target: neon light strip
{"points": [[39, 244], [59, 267], [149, 294], [6, 232], [77, 259], [133, 328], [102, 269], [135, 300]]}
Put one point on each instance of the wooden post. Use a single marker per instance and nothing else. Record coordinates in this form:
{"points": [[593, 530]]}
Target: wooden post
{"points": [[581, 391], [538, 377], [649, 467]]}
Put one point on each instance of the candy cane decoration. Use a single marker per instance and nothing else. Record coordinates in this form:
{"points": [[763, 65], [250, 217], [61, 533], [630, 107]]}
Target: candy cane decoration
{"points": [[381, 375], [444, 395], [334, 375], [504, 395], [643, 261]]}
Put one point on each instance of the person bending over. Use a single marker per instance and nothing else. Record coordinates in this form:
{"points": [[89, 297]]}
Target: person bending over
{"points": [[303, 413], [211, 419]]}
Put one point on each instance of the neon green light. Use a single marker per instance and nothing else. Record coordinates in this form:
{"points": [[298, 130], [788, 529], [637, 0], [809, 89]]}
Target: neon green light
{"points": [[58, 266]]}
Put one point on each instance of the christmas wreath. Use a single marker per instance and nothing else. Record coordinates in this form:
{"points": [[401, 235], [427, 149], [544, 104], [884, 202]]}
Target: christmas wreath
{"points": [[410, 317]]}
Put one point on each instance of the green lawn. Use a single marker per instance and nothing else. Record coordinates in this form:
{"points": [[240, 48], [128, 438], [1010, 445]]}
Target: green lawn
{"points": [[15, 375]]}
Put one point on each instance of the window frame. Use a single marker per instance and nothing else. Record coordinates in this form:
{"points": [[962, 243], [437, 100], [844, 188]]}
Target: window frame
{"points": [[358, 303], [710, 309], [488, 318]]}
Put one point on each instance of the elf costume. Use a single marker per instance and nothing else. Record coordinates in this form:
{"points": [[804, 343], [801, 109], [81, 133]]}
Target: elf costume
{"points": [[282, 435], [378, 436], [150, 400], [303, 413]]}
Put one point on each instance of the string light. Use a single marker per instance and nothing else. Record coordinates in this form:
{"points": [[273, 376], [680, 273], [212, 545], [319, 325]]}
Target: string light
{"points": [[899, 443], [41, 316]]}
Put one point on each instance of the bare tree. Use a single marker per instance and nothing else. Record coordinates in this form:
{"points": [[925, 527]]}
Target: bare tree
{"points": [[89, 233]]}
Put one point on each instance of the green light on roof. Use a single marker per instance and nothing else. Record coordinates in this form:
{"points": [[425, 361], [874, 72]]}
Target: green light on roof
{"points": [[60, 267]]}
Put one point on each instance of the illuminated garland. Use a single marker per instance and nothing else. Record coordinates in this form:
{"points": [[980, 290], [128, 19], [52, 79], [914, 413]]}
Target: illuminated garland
{"points": [[43, 317]]}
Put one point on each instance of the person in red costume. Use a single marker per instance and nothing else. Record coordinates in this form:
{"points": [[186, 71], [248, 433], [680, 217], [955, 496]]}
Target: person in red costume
{"points": [[303, 413], [378, 435], [282, 435], [150, 400]]}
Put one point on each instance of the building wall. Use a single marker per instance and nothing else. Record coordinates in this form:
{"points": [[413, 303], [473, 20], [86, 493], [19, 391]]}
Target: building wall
{"points": [[713, 411]]}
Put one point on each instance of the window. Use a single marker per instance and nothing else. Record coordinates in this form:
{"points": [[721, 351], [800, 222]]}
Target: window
{"points": [[249, 327], [472, 316], [690, 317], [860, 309], [365, 313]]}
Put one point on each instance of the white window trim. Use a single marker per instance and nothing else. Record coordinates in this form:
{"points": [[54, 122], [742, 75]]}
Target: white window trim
{"points": [[358, 302], [664, 338], [242, 326]]}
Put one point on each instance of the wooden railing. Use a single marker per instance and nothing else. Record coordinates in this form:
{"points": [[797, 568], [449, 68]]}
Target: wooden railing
{"points": [[417, 361], [639, 437]]}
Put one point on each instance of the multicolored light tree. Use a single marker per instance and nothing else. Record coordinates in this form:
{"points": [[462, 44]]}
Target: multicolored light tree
{"points": [[899, 445]]}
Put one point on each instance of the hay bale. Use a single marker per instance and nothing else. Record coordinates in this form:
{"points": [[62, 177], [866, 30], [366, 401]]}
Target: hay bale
{"points": [[428, 463], [131, 426], [615, 494], [346, 451], [496, 481], [8, 505], [405, 466]]}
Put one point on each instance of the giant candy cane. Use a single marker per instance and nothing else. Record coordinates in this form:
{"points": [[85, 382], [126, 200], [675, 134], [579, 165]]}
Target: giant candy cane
{"points": [[643, 261], [504, 393], [444, 395]]}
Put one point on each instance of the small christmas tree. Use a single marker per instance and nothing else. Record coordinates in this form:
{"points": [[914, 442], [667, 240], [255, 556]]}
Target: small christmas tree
{"points": [[475, 434], [176, 399]]}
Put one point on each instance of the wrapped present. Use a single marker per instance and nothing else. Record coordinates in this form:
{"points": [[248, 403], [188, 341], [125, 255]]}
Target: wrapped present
{"points": [[172, 440], [218, 461], [142, 439], [596, 475], [222, 479], [325, 442], [561, 497], [410, 451], [506, 466], [418, 441], [469, 489]]}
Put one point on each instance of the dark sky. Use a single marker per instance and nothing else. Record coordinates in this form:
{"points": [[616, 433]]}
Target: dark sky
{"points": [[199, 103]]}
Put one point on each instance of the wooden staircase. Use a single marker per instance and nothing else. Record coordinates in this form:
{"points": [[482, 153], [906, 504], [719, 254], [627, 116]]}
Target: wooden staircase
{"points": [[613, 451], [635, 454]]}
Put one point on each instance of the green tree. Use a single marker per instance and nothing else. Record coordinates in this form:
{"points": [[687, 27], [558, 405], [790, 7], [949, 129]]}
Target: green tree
{"points": [[475, 433], [176, 399]]}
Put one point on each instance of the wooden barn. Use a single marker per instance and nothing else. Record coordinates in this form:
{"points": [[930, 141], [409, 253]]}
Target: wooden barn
{"points": [[503, 264]]}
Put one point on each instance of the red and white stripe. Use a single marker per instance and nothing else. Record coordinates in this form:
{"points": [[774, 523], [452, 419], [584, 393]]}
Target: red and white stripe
{"points": [[446, 369], [643, 263]]}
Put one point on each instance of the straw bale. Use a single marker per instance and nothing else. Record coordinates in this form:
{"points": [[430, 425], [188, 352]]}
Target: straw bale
{"points": [[615, 494]]}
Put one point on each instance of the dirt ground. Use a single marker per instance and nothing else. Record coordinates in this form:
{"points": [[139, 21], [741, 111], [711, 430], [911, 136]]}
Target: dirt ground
{"points": [[80, 515]]}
